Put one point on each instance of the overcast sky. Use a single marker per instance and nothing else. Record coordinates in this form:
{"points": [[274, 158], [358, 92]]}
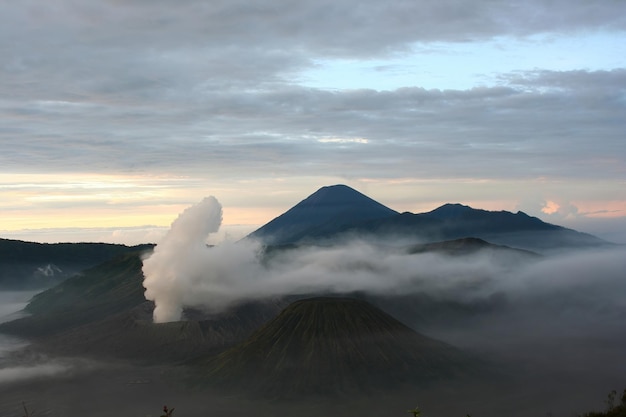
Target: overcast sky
{"points": [[116, 115]]}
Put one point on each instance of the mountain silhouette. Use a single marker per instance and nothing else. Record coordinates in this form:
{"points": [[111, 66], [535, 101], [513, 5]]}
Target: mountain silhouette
{"points": [[31, 265], [456, 221], [327, 210], [340, 212], [106, 289], [483, 220], [329, 346]]}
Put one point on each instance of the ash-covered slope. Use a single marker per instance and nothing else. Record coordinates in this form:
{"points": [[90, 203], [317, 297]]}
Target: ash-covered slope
{"points": [[329, 346], [132, 334], [324, 212]]}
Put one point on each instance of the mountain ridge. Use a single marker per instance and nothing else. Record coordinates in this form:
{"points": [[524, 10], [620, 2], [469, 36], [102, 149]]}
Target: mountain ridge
{"points": [[32, 265], [301, 225], [95, 296], [325, 210]]}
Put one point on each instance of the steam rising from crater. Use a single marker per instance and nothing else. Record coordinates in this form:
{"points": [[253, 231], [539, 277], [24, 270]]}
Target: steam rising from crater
{"points": [[184, 272], [177, 260]]}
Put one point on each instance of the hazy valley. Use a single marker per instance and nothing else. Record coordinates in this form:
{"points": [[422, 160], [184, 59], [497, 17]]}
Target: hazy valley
{"points": [[340, 306]]}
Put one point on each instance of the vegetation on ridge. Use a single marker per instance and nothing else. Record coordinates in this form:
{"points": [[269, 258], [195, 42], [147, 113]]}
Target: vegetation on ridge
{"points": [[108, 288]]}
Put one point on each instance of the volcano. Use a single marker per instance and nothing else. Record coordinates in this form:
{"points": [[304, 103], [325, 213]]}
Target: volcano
{"points": [[324, 212], [332, 346], [337, 213]]}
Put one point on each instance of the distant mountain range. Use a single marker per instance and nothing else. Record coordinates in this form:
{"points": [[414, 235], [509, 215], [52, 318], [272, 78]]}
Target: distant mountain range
{"points": [[340, 212], [114, 284], [331, 214], [96, 293], [30, 265], [319, 346]]}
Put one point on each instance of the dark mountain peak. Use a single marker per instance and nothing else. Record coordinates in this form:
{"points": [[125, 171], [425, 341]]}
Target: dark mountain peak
{"points": [[480, 221], [333, 193], [460, 212], [325, 211], [340, 212], [329, 345], [333, 317], [339, 196], [451, 210]]}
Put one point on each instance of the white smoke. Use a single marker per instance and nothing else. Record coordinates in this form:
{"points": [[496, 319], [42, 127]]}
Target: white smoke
{"points": [[178, 260], [184, 272]]}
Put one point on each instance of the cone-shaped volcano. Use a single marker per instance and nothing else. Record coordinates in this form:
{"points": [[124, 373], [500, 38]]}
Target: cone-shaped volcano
{"points": [[333, 346], [324, 212]]}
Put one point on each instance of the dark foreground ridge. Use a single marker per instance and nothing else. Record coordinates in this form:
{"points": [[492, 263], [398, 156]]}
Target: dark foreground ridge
{"points": [[332, 346], [31, 265]]}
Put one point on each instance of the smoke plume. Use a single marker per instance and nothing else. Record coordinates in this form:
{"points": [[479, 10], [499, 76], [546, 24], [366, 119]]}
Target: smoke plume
{"points": [[184, 271], [177, 261]]}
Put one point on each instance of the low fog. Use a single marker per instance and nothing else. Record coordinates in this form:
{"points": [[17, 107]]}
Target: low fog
{"points": [[184, 272], [555, 322], [553, 326], [36, 371], [12, 303]]}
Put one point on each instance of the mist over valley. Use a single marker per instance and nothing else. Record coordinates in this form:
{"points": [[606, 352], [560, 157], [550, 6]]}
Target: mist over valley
{"points": [[340, 306]]}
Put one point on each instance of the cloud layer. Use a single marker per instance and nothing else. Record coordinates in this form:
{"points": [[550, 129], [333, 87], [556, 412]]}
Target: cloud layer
{"points": [[184, 272], [151, 87], [217, 94]]}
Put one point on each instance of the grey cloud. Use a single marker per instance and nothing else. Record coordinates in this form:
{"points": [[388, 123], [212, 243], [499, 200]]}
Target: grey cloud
{"points": [[326, 27], [151, 86], [519, 128], [145, 43]]}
